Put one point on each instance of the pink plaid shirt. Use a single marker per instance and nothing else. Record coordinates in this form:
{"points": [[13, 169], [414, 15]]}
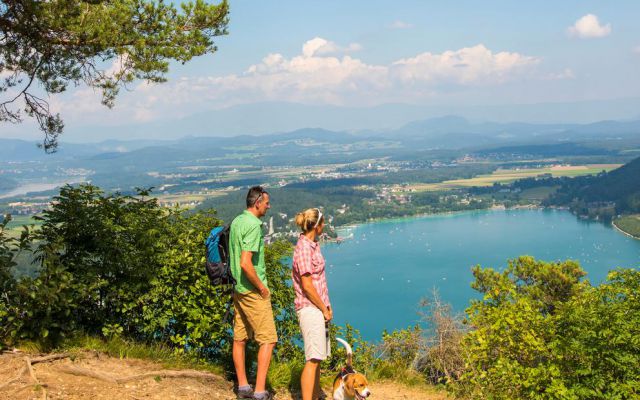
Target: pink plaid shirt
{"points": [[307, 259]]}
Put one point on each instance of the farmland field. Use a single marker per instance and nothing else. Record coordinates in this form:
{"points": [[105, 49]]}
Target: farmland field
{"points": [[17, 221], [511, 175]]}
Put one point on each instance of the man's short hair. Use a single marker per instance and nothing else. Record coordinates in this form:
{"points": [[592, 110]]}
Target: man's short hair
{"points": [[255, 193]]}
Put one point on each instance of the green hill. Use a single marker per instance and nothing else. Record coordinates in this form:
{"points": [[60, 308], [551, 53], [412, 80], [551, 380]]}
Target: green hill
{"points": [[617, 191]]}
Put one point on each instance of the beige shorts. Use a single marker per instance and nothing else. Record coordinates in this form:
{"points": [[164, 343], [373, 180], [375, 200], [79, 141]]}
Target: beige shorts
{"points": [[253, 318], [314, 333]]}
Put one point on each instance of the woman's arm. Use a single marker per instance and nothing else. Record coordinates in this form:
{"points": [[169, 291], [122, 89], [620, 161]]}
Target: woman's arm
{"points": [[312, 294]]}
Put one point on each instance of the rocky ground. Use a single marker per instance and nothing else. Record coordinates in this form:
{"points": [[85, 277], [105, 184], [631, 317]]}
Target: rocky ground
{"points": [[92, 375]]}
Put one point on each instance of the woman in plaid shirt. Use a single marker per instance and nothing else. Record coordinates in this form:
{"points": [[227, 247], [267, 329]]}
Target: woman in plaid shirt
{"points": [[312, 299]]}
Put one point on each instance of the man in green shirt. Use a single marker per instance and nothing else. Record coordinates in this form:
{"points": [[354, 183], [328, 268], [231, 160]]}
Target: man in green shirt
{"points": [[251, 298]]}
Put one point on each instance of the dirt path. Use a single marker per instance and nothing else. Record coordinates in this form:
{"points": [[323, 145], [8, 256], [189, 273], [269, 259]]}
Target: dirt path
{"points": [[96, 376]]}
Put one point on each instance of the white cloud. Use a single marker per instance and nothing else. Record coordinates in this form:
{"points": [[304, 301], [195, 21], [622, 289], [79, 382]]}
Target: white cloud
{"points": [[82, 101], [5, 73], [119, 66], [636, 49], [468, 66], [322, 47], [567, 73], [315, 76], [397, 24], [589, 27]]}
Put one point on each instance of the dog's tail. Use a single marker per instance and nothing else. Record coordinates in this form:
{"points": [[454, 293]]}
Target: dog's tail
{"points": [[348, 348]]}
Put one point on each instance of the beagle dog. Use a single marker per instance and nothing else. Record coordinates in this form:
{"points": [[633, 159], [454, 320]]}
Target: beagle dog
{"points": [[349, 384]]}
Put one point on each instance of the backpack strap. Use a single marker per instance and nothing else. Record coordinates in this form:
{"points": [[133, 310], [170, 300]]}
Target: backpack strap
{"points": [[228, 312]]}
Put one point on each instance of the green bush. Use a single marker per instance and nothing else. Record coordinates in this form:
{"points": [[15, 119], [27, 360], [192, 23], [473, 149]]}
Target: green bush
{"points": [[108, 247], [117, 265], [541, 332], [181, 307], [10, 309]]}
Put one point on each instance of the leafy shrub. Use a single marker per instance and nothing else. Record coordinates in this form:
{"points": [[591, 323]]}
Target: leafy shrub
{"points": [[119, 265], [599, 339], [10, 248], [541, 332], [108, 247], [181, 307]]}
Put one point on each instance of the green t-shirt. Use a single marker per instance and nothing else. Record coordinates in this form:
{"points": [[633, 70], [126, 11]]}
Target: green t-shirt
{"points": [[246, 235]]}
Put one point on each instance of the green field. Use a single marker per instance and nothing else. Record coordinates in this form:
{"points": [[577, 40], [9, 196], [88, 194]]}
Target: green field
{"points": [[538, 193], [511, 175], [17, 221], [629, 224]]}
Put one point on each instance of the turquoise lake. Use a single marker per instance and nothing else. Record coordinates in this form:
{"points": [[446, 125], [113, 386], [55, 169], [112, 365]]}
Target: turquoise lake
{"points": [[377, 278]]}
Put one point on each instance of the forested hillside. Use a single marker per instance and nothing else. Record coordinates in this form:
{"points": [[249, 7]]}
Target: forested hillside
{"points": [[587, 194]]}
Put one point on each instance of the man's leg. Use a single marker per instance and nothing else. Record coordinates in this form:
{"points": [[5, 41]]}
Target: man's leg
{"points": [[264, 359], [239, 347], [241, 333], [308, 380]]}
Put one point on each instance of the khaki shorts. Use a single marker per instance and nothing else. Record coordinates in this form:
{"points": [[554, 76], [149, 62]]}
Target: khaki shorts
{"points": [[253, 318], [314, 333]]}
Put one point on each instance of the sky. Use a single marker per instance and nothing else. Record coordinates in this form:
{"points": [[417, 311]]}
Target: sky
{"points": [[359, 54]]}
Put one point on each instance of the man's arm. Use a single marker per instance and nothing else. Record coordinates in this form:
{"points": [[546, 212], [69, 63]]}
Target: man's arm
{"points": [[312, 294], [250, 272]]}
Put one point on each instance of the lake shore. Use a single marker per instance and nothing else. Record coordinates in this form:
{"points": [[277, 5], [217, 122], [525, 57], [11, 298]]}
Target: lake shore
{"points": [[613, 223], [378, 278], [33, 188], [353, 225]]}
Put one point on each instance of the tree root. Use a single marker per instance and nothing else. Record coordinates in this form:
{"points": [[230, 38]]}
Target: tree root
{"points": [[29, 367], [51, 357], [79, 371], [35, 378]]}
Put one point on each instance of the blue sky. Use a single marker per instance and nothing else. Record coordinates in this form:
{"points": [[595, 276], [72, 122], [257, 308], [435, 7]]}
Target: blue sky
{"points": [[368, 53]]}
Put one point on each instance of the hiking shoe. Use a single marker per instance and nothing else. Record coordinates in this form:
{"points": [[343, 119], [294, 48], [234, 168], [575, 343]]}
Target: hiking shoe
{"points": [[245, 393], [263, 396]]}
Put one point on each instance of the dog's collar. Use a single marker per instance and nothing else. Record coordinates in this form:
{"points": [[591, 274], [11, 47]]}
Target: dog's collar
{"points": [[344, 372]]}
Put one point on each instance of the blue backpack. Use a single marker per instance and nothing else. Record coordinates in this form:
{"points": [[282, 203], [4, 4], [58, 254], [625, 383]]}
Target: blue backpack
{"points": [[217, 265]]}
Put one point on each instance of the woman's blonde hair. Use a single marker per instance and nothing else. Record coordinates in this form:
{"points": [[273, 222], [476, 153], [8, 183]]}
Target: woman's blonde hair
{"points": [[309, 219]]}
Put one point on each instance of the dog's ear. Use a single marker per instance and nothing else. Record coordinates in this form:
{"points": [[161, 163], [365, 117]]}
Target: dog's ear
{"points": [[360, 382], [348, 385]]}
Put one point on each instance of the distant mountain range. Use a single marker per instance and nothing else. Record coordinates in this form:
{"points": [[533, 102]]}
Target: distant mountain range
{"points": [[449, 132], [263, 118]]}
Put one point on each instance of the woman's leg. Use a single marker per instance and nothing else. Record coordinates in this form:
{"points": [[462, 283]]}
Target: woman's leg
{"points": [[316, 388], [310, 373]]}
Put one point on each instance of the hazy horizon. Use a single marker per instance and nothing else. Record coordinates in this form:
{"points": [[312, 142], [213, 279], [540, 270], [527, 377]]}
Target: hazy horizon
{"points": [[357, 65], [268, 118]]}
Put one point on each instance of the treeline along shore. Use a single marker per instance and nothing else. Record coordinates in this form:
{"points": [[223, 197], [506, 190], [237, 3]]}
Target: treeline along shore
{"points": [[605, 196]]}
